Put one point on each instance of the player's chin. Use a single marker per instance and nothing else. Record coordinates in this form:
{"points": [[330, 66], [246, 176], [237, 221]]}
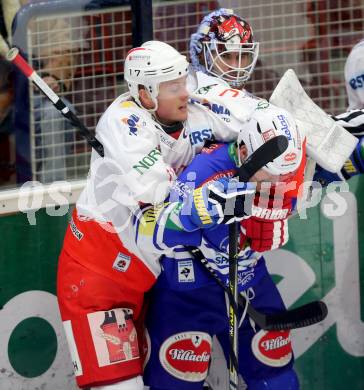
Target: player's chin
{"points": [[182, 114]]}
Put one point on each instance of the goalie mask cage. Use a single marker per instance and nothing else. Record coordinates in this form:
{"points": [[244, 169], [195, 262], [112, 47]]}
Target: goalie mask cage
{"points": [[84, 43]]}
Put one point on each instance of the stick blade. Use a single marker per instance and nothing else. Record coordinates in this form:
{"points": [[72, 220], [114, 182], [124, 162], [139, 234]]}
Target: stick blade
{"points": [[262, 156], [305, 315]]}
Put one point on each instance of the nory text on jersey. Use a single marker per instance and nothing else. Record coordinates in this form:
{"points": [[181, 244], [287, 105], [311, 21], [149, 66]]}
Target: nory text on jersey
{"points": [[147, 161]]}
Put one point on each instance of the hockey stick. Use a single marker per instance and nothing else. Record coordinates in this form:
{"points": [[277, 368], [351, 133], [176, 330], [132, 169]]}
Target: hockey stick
{"points": [[296, 318], [233, 309], [263, 155], [15, 57], [306, 315], [302, 316]]}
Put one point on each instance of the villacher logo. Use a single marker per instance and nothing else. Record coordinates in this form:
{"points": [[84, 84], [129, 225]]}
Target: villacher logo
{"points": [[187, 355], [272, 348]]}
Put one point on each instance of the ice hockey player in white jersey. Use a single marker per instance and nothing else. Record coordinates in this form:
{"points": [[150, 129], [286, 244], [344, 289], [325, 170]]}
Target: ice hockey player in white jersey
{"points": [[148, 136], [354, 76], [353, 122], [353, 119], [223, 49], [223, 55]]}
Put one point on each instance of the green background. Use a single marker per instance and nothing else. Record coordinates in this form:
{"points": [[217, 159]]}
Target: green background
{"points": [[28, 260]]}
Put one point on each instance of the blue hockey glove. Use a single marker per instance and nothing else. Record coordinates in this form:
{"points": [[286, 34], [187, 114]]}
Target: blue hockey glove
{"points": [[221, 202]]}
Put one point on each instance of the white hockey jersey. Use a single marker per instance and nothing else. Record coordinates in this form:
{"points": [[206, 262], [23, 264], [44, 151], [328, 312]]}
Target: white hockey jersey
{"points": [[141, 160], [354, 76]]}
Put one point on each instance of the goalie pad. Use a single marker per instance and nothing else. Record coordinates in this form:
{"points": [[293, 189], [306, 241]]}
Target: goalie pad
{"points": [[328, 143]]}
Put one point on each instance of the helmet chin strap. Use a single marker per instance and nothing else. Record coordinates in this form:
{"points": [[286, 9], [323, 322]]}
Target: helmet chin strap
{"points": [[155, 101], [169, 129], [138, 100], [154, 109], [141, 105]]}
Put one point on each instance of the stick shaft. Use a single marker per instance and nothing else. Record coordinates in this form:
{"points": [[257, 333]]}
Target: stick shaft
{"points": [[266, 153], [15, 57], [233, 311]]}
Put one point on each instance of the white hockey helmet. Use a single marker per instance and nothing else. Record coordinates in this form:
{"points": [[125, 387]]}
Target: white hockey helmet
{"points": [[266, 122], [219, 34], [151, 64]]}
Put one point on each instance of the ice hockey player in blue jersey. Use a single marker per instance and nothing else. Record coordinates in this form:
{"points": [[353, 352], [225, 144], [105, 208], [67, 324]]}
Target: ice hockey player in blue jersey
{"points": [[352, 121], [187, 306]]}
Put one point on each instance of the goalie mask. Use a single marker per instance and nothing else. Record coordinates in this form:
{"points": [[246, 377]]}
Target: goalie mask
{"points": [[223, 46], [151, 64], [266, 122]]}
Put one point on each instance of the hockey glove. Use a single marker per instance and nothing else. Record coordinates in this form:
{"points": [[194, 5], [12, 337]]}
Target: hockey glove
{"points": [[221, 202], [265, 235], [267, 228]]}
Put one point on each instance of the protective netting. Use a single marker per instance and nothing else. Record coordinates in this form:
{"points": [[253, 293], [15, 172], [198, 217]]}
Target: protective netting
{"points": [[313, 37], [85, 52], [82, 55]]}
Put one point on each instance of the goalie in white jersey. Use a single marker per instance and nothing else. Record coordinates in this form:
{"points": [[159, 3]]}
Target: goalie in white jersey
{"points": [[224, 47], [148, 136]]}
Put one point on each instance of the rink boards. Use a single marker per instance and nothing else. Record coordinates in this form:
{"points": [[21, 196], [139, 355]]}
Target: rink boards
{"points": [[324, 259]]}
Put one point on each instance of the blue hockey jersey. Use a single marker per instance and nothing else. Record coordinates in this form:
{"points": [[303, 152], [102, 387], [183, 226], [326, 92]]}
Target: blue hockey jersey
{"points": [[180, 270]]}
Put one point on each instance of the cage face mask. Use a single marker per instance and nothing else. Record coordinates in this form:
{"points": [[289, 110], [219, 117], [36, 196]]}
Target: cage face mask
{"points": [[227, 46], [233, 62]]}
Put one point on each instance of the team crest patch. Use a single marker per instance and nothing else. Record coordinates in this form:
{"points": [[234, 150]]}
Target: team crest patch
{"points": [[186, 272], [186, 355], [114, 336], [272, 348], [122, 262]]}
